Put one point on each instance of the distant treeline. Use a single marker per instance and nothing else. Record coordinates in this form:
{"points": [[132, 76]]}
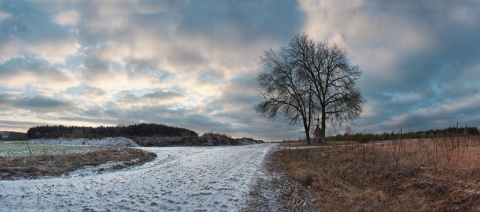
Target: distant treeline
{"points": [[12, 136], [365, 137], [60, 131]]}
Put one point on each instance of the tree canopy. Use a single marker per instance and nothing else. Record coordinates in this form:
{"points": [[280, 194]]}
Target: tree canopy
{"points": [[143, 129], [306, 78]]}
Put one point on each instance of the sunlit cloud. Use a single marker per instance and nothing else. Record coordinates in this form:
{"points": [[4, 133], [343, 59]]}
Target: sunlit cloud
{"points": [[67, 18]]}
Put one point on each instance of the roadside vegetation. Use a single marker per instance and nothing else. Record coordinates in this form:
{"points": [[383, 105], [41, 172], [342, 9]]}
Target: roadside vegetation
{"points": [[20, 160], [387, 136], [440, 173], [207, 139]]}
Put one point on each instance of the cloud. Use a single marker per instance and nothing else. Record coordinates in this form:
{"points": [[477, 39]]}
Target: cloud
{"points": [[67, 18], [15, 103], [29, 31], [30, 72], [54, 50], [21, 126], [193, 64], [137, 61], [157, 98], [4, 16], [42, 102], [414, 57]]}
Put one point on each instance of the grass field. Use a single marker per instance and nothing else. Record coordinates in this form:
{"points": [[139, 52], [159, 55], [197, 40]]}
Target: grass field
{"points": [[438, 174], [20, 160], [22, 148]]}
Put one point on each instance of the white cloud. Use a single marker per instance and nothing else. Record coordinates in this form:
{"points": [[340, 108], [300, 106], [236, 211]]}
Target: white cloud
{"points": [[67, 18], [54, 50]]}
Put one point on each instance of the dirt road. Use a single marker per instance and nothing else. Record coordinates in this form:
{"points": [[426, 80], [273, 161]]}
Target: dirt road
{"points": [[180, 179]]}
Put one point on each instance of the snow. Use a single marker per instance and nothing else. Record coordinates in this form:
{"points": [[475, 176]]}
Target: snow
{"points": [[108, 141], [179, 179], [20, 148]]}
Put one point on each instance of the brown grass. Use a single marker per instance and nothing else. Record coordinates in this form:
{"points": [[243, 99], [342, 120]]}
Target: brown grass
{"points": [[441, 174], [56, 165]]}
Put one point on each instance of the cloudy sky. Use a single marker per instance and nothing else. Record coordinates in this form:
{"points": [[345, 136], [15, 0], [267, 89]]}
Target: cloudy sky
{"points": [[193, 63]]}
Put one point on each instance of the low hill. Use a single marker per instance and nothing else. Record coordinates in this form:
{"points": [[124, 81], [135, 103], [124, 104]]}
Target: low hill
{"points": [[208, 139]]}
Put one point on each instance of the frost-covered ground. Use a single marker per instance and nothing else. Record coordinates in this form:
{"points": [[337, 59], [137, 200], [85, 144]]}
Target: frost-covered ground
{"points": [[21, 148], [180, 179]]}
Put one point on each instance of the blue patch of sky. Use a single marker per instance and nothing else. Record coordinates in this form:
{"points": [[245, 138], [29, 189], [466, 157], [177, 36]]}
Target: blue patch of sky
{"points": [[71, 62]]}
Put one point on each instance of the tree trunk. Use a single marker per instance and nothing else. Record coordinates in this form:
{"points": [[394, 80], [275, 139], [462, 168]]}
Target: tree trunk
{"points": [[306, 126], [323, 140], [308, 138]]}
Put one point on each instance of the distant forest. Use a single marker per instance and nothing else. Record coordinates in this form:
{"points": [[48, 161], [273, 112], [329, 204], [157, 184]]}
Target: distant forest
{"points": [[143, 129], [394, 135]]}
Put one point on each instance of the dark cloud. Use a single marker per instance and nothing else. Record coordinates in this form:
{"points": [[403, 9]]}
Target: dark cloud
{"points": [[43, 103], [94, 69], [136, 67], [162, 95], [427, 75], [245, 20], [176, 117], [154, 98], [6, 98], [19, 125], [36, 103], [26, 64]]}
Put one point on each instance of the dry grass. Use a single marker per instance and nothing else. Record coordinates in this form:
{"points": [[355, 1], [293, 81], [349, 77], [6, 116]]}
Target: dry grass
{"points": [[441, 174], [56, 165]]}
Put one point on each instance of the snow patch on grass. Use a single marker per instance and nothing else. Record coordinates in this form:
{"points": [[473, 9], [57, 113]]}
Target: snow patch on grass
{"points": [[108, 141], [21, 149]]}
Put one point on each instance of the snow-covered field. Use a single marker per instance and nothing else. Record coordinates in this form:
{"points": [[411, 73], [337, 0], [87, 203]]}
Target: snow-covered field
{"points": [[21, 149], [108, 141], [180, 179]]}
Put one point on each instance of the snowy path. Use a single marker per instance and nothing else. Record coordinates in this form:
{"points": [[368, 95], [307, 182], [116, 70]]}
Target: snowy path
{"points": [[180, 179]]}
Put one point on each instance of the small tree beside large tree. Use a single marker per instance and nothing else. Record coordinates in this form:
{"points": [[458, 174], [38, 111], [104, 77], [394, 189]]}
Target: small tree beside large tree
{"points": [[307, 78]]}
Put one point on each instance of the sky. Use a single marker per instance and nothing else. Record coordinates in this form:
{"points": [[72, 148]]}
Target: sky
{"points": [[193, 64]]}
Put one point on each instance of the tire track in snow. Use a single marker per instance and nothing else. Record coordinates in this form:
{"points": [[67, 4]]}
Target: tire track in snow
{"points": [[181, 178]]}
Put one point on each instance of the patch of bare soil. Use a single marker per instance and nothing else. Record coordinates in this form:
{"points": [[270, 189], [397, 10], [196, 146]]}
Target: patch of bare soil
{"points": [[33, 167], [441, 174]]}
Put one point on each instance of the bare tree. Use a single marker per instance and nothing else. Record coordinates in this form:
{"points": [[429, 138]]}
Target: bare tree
{"points": [[284, 91], [322, 79], [333, 77]]}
